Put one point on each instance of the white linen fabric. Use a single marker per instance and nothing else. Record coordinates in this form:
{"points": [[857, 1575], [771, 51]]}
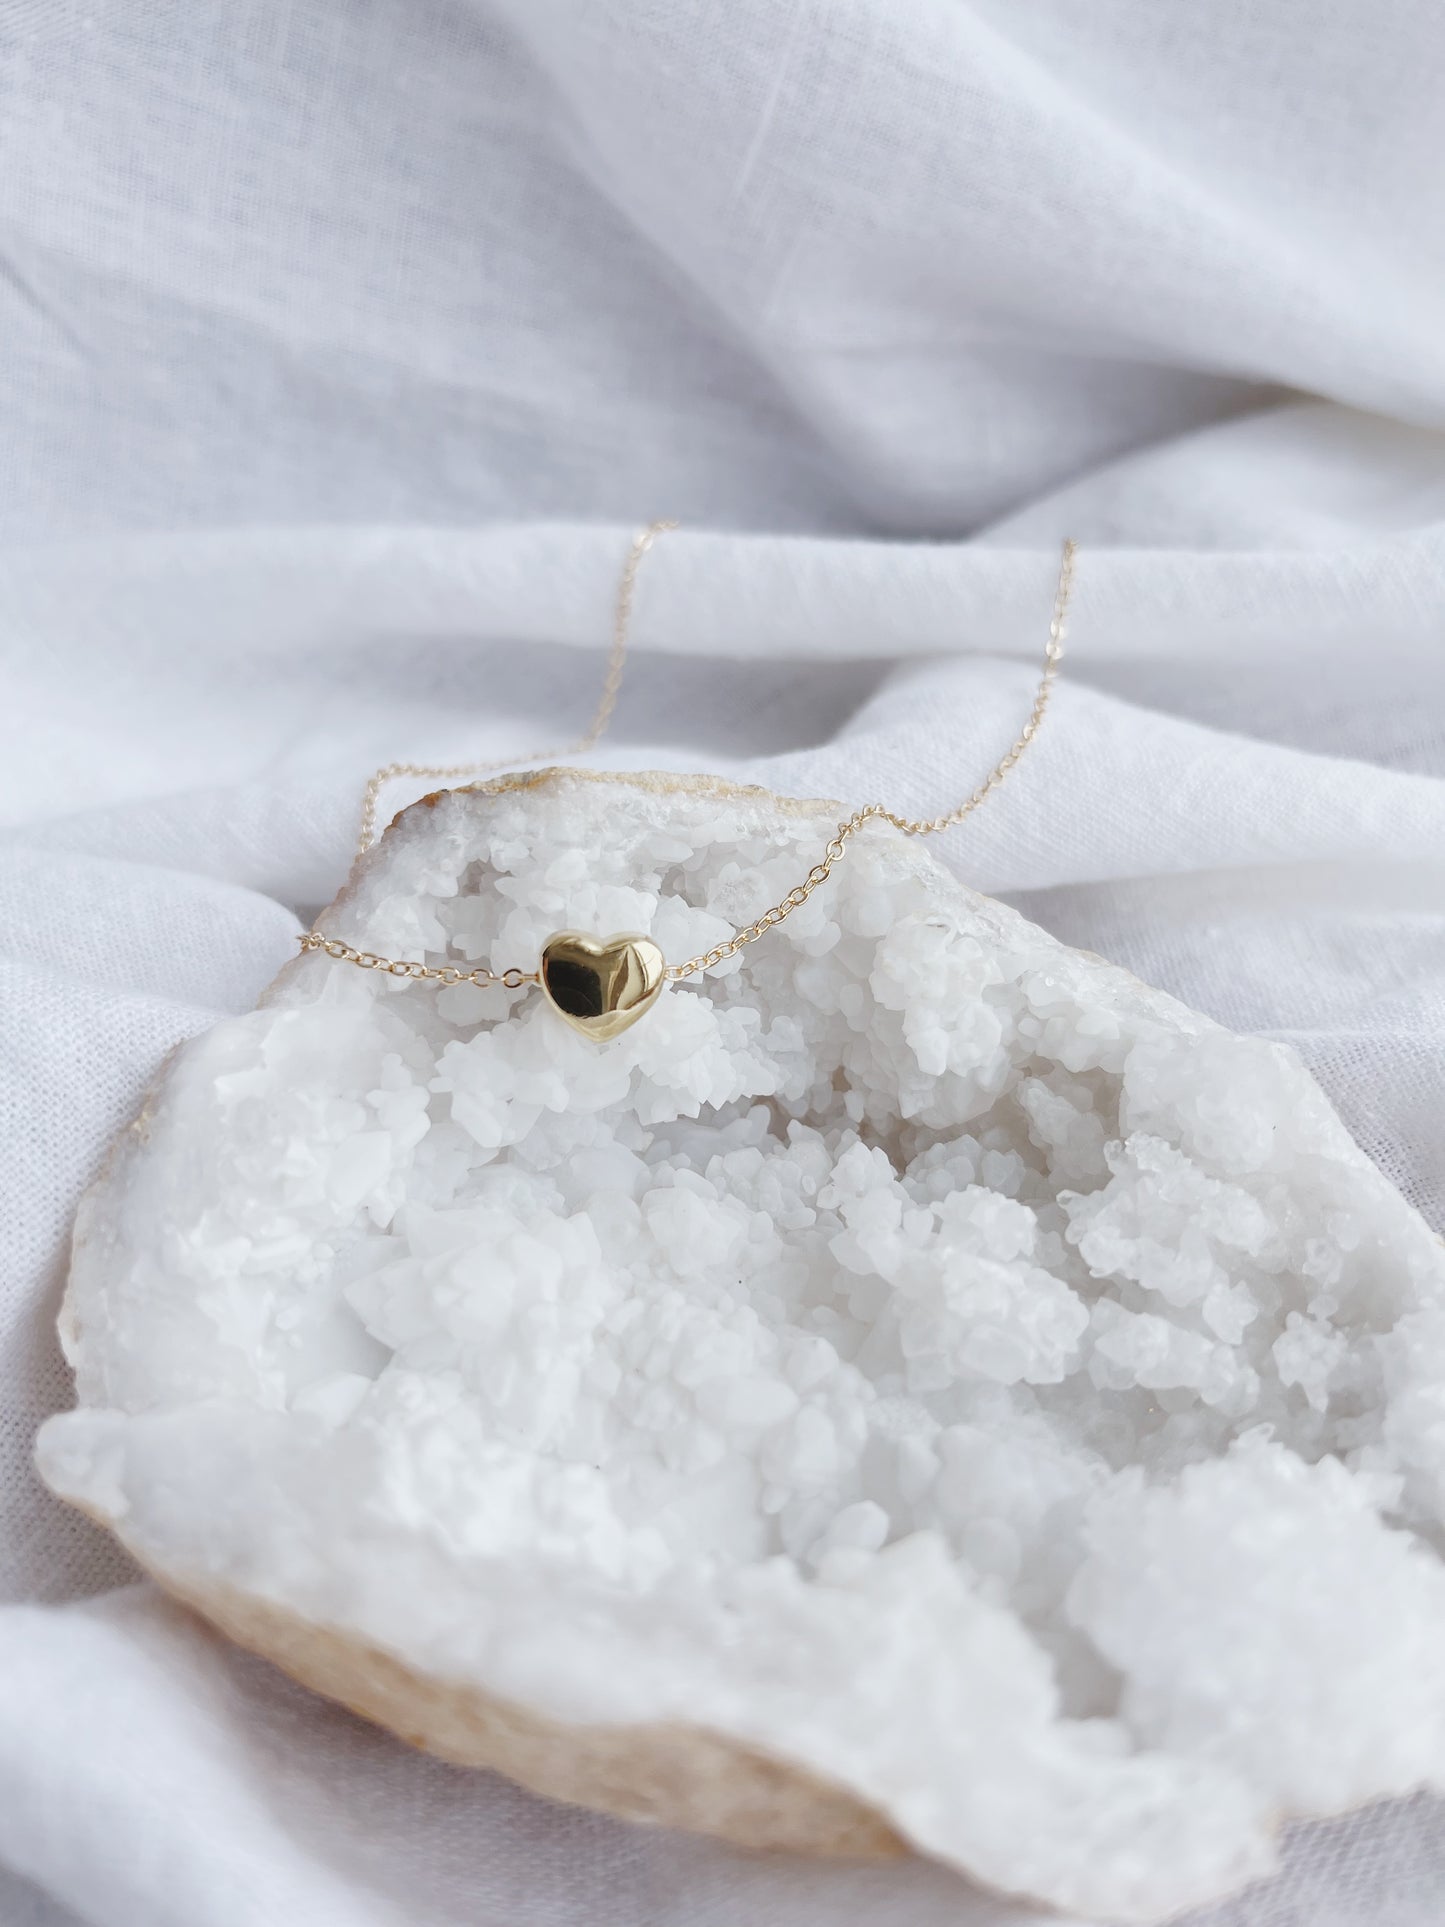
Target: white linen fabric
{"points": [[344, 345]]}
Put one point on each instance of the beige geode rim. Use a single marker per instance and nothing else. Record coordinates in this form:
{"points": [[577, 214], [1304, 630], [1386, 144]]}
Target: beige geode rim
{"points": [[656, 782], [688, 1777]]}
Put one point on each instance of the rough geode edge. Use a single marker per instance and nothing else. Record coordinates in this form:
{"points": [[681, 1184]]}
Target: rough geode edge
{"points": [[693, 1778]]}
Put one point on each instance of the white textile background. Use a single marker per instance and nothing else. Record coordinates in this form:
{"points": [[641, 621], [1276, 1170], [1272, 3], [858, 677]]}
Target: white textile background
{"points": [[343, 346]]}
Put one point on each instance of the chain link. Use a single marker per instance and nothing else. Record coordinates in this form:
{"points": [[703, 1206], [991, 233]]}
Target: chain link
{"points": [[794, 900], [833, 852], [607, 702], [910, 826], [481, 976]]}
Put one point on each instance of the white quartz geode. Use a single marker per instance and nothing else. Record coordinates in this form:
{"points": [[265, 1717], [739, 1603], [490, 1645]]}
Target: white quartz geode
{"points": [[917, 1366]]}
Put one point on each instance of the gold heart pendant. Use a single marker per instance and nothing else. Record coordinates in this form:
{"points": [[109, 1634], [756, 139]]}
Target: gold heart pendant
{"points": [[601, 988]]}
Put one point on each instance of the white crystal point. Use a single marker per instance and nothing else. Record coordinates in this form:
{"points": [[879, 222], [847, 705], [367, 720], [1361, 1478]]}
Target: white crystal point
{"points": [[917, 1381]]}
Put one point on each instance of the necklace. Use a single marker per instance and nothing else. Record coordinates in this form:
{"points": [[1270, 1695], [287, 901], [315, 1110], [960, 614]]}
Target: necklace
{"points": [[601, 986]]}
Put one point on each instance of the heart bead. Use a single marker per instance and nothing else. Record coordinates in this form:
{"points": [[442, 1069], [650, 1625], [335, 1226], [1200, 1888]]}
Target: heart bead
{"points": [[601, 988]]}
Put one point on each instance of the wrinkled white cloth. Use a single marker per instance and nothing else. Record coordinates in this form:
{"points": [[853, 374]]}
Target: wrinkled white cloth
{"points": [[344, 346]]}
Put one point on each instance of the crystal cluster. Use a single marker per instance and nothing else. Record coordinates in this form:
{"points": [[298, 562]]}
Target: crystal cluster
{"points": [[915, 1350]]}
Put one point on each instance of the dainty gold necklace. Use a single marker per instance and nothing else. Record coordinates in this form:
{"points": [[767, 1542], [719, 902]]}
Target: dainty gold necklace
{"points": [[601, 986]]}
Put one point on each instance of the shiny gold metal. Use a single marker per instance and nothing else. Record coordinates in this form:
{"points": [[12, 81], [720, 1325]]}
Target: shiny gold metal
{"points": [[600, 987], [603, 993]]}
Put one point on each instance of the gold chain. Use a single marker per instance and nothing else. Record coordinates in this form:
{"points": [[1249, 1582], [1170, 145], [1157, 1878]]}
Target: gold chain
{"points": [[483, 978], [834, 850], [607, 702], [911, 826]]}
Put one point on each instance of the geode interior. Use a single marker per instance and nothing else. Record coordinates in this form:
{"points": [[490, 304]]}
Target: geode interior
{"points": [[915, 1351]]}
